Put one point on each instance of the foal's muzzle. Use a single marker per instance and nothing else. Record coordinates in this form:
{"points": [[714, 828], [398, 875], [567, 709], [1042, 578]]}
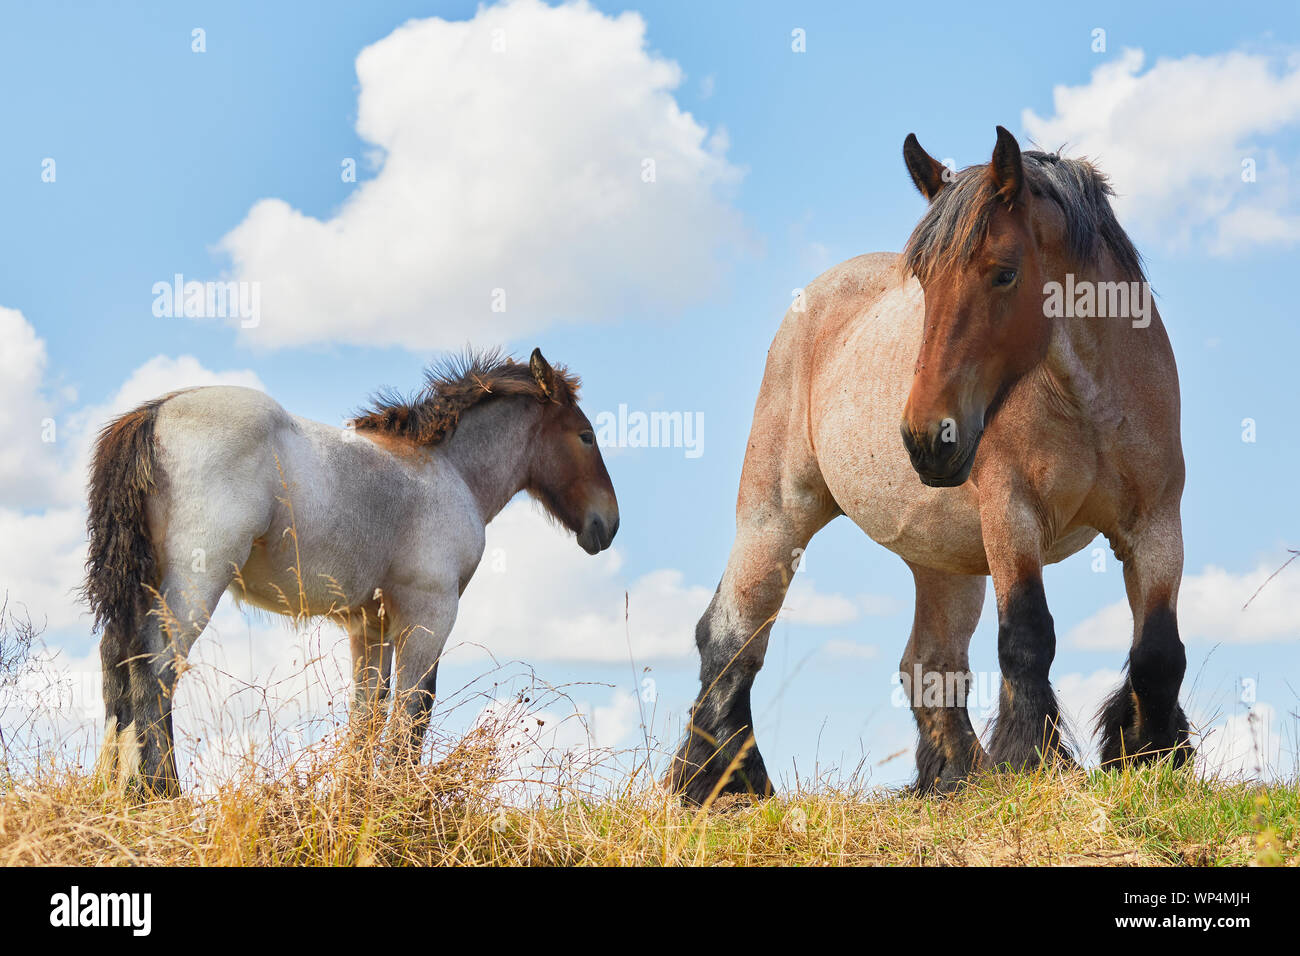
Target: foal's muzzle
{"points": [[939, 461], [598, 533]]}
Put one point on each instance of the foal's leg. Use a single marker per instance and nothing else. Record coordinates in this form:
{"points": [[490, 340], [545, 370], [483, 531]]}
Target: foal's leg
{"points": [[417, 650], [1028, 727], [372, 655], [207, 541], [155, 665], [936, 675], [114, 656], [1142, 720], [732, 638]]}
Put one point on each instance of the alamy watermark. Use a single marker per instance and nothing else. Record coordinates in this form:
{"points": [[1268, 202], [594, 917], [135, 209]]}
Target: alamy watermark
{"points": [[75, 908], [1085, 299], [209, 300], [625, 429], [976, 690]]}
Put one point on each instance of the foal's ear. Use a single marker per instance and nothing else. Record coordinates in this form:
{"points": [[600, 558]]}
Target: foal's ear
{"points": [[544, 374], [927, 172], [1007, 169]]}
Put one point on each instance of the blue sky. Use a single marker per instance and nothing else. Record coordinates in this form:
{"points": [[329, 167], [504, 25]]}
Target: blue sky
{"points": [[161, 153]]}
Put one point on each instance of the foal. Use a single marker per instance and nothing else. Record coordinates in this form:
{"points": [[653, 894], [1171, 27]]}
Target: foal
{"points": [[211, 489], [1031, 428]]}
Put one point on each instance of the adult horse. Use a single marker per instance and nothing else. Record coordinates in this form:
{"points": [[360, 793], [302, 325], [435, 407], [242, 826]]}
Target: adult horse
{"points": [[379, 526], [1030, 430]]}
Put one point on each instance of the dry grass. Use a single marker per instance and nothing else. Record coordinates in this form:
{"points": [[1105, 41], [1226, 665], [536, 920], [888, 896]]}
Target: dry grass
{"points": [[331, 804], [334, 808]]}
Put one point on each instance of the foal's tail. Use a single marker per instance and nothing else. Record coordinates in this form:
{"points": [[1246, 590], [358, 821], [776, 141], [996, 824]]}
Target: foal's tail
{"points": [[121, 566]]}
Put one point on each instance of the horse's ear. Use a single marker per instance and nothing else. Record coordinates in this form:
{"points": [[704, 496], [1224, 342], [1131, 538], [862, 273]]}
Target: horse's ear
{"points": [[927, 172], [544, 374], [1007, 169]]}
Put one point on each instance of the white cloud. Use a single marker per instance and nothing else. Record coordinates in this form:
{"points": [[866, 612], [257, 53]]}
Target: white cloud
{"points": [[850, 650], [1248, 744], [805, 605], [1173, 139], [1081, 696], [1210, 610], [511, 150], [538, 596], [41, 564], [28, 461]]}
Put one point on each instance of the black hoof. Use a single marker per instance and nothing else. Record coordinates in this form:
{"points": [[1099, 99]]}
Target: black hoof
{"points": [[939, 775], [1127, 740], [702, 771]]}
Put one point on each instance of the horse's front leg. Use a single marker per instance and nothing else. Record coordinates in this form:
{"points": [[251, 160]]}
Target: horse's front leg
{"points": [[1028, 728], [936, 676], [421, 631], [1142, 720]]}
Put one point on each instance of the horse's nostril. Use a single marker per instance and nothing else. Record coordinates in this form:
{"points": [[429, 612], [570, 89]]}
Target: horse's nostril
{"points": [[919, 446], [909, 440]]}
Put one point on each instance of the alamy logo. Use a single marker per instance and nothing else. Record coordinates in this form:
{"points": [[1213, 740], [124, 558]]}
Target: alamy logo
{"points": [[1099, 300], [209, 300], [74, 908], [651, 430]]}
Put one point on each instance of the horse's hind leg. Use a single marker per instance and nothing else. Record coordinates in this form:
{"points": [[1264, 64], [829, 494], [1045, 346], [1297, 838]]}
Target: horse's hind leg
{"points": [[1142, 720], [201, 553], [155, 666], [936, 676], [719, 754], [114, 654]]}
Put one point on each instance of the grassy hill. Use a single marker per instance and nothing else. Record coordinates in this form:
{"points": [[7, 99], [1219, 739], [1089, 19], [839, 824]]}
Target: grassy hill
{"points": [[329, 810]]}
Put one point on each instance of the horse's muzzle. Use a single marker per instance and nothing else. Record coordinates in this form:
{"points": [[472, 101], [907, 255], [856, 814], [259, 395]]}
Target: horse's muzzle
{"points": [[598, 534], [939, 463]]}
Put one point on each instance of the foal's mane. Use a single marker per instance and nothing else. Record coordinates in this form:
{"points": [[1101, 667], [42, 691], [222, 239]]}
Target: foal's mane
{"points": [[958, 219], [452, 387]]}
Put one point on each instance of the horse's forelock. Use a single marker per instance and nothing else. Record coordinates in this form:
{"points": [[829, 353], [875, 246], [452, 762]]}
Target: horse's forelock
{"points": [[953, 225], [958, 218]]}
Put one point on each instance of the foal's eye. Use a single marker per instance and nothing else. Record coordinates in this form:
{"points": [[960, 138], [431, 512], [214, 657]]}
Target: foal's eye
{"points": [[1005, 277], [587, 438]]}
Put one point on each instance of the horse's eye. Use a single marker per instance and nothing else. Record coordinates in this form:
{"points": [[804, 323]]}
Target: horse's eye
{"points": [[587, 438], [1005, 277]]}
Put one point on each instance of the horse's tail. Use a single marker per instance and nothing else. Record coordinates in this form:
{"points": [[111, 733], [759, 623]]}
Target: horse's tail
{"points": [[121, 566]]}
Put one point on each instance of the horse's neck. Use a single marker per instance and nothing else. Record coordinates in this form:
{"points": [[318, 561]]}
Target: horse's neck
{"points": [[1079, 366], [491, 449]]}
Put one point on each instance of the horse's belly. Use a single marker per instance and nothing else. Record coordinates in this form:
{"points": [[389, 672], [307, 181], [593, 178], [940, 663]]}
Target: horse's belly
{"points": [[936, 528], [323, 571]]}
